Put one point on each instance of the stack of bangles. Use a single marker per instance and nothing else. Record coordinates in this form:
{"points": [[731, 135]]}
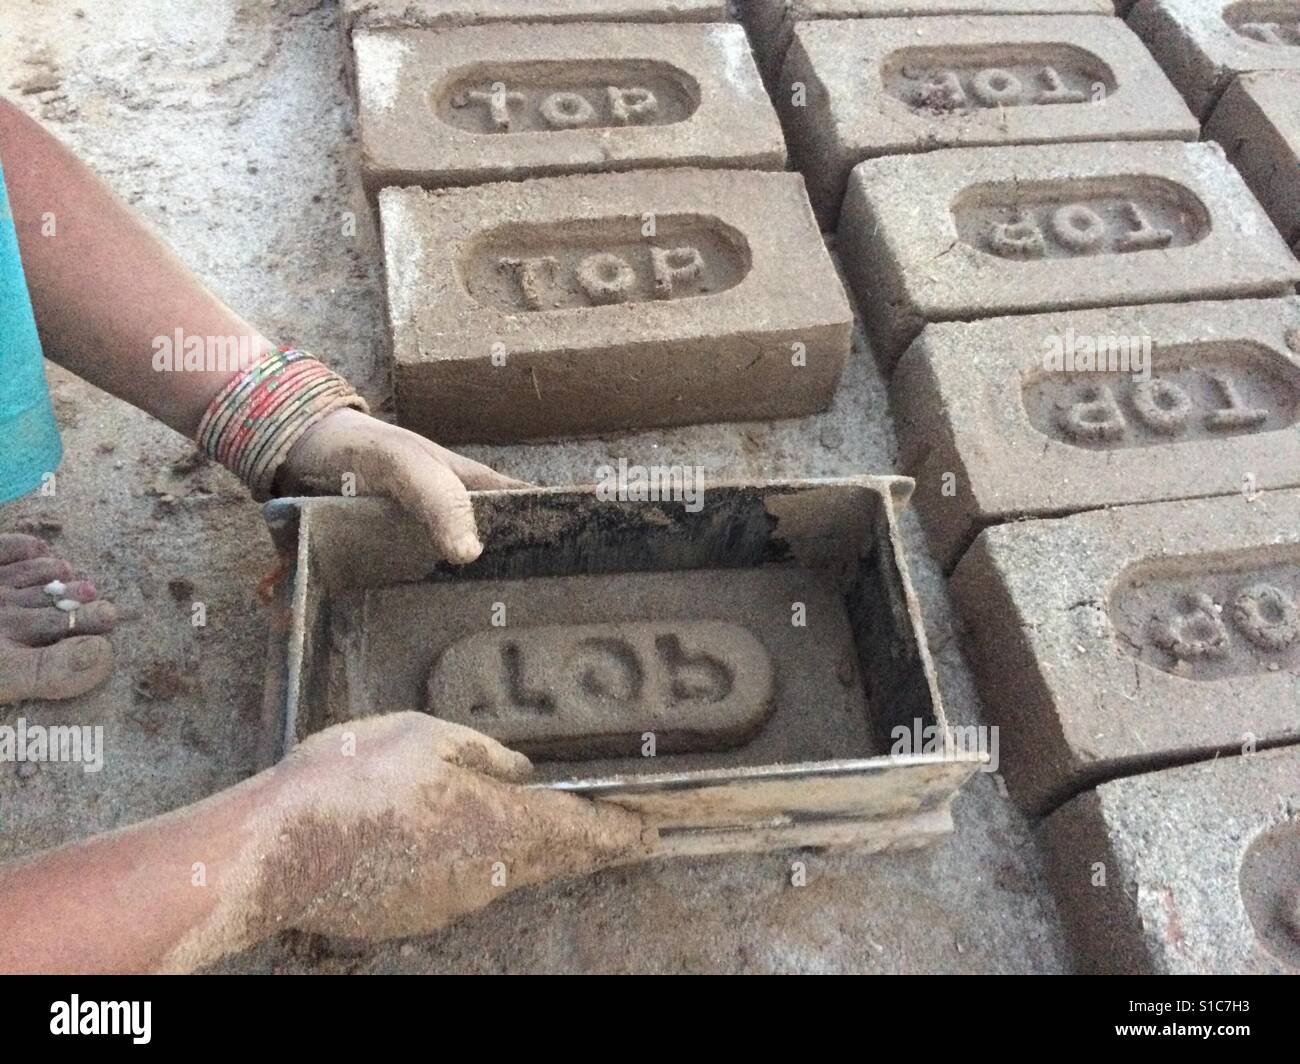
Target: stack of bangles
{"points": [[253, 423], [260, 414]]}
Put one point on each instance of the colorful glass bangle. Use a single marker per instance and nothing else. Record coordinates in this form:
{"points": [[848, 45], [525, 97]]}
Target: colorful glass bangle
{"points": [[259, 415]]}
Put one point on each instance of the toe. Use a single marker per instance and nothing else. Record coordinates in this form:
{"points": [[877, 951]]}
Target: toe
{"points": [[15, 547], [33, 572], [65, 670], [38, 627], [80, 590]]}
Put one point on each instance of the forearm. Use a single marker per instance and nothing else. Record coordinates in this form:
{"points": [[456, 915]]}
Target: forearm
{"points": [[104, 286], [171, 893], [384, 827]]}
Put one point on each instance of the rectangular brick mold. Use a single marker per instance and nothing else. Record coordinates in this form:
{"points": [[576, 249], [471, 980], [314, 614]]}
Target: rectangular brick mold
{"points": [[1258, 124], [818, 772], [1204, 44], [982, 232], [895, 86], [1120, 641], [540, 309], [1052, 414], [493, 103], [772, 22], [1200, 873], [447, 14]]}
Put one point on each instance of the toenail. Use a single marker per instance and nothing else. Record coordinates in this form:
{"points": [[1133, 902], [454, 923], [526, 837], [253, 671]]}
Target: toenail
{"points": [[67, 605], [56, 588]]}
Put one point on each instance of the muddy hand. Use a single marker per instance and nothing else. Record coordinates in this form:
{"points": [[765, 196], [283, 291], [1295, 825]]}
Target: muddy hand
{"points": [[422, 822], [430, 482]]}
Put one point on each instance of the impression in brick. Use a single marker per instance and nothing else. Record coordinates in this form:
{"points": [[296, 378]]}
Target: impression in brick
{"points": [[506, 102], [1203, 44], [972, 233], [1189, 871], [578, 305], [859, 89], [772, 23], [1050, 414], [1119, 641]]}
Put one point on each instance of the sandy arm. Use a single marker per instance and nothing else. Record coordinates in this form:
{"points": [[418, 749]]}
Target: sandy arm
{"points": [[383, 828]]}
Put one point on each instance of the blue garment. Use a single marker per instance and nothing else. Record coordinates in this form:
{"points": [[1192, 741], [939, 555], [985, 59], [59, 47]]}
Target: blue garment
{"points": [[29, 438]]}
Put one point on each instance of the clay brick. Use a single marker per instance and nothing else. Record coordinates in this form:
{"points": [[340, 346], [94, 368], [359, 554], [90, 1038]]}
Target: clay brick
{"points": [[577, 691], [772, 22], [1258, 124], [539, 309], [895, 86], [1204, 44], [1200, 867], [492, 103], [1120, 641], [1186, 400], [448, 14], [974, 233]]}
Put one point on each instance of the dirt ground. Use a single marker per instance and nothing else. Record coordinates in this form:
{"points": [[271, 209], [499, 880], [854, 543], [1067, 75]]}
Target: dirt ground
{"points": [[227, 123]]}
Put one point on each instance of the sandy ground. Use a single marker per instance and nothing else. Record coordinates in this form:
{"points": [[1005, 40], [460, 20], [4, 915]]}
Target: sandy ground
{"points": [[227, 123]]}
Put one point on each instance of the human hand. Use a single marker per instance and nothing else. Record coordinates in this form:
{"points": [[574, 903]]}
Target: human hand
{"points": [[429, 482], [395, 825]]}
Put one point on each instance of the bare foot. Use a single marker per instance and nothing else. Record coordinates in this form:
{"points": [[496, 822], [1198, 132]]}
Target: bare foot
{"points": [[51, 641]]}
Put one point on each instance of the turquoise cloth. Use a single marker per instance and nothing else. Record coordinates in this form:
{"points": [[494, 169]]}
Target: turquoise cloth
{"points": [[29, 438]]}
